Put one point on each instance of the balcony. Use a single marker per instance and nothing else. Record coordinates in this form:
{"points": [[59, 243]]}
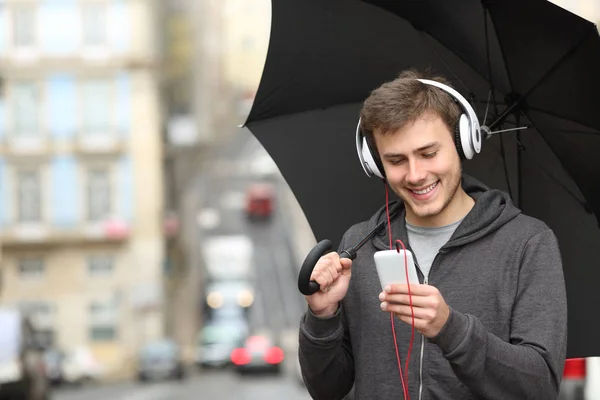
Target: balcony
{"points": [[93, 143], [26, 145], [38, 61], [29, 234]]}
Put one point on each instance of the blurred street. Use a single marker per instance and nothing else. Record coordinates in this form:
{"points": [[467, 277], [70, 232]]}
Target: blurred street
{"points": [[219, 385], [278, 304]]}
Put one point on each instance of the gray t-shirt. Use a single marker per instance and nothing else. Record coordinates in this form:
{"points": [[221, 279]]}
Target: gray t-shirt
{"points": [[425, 242]]}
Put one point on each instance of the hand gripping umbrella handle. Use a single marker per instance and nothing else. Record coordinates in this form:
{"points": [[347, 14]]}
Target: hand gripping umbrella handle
{"points": [[305, 285], [308, 287]]}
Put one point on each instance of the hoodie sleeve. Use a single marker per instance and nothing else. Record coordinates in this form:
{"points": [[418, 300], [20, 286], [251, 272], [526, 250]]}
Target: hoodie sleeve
{"points": [[325, 354], [531, 365]]}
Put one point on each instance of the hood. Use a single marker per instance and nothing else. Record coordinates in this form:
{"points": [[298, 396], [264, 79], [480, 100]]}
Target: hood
{"points": [[493, 208]]}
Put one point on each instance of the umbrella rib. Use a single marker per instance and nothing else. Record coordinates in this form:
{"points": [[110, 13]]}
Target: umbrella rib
{"points": [[489, 64], [543, 78], [553, 114], [493, 95], [445, 63], [575, 196]]}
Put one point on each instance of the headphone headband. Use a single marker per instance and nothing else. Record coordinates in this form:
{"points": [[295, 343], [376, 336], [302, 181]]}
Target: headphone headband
{"points": [[475, 129]]}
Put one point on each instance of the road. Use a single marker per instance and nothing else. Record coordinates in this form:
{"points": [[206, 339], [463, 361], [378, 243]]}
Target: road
{"points": [[218, 385], [278, 305]]}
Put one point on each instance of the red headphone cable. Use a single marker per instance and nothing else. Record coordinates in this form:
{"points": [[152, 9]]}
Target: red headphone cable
{"points": [[398, 241]]}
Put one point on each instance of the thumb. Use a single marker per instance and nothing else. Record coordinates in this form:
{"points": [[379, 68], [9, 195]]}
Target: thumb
{"points": [[346, 264]]}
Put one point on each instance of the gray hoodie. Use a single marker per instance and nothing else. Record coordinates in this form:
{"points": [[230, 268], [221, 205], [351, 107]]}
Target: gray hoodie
{"points": [[501, 275]]}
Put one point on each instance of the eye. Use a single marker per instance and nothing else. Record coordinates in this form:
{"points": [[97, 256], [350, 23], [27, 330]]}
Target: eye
{"points": [[396, 161], [430, 155]]}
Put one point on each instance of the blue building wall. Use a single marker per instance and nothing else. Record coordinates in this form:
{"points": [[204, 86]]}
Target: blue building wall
{"points": [[61, 106], [123, 106], [65, 192]]}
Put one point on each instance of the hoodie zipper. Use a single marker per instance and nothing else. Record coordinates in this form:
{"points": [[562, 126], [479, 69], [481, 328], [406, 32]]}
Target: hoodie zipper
{"points": [[436, 259], [425, 282]]}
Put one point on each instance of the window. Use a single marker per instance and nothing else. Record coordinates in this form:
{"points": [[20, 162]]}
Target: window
{"points": [[24, 25], [103, 321], [25, 113], [100, 333], [98, 194], [100, 265], [96, 106], [29, 197], [95, 27], [32, 268]]}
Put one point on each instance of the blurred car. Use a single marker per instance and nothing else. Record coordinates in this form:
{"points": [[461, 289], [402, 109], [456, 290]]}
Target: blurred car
{"points": [[54, 360], [216, 341], [79, 367], [263, 167], [234, 314], [260, 198], [258, 353], [22, 365], [229, 294], [160, 360]]}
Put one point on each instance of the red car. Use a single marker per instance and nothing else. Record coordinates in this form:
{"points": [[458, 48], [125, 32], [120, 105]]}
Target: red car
{"points": [[258, 353], [259, 201]]}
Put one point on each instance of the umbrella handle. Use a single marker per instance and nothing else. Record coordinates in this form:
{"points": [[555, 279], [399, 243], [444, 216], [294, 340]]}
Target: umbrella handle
{"points": [[305, 285]]}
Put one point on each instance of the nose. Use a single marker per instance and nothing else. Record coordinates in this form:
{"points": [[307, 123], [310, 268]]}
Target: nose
{"points": [[415, 174]]}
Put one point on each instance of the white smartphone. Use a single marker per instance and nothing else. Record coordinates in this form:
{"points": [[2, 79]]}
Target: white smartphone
{"points": [[391, 269]]}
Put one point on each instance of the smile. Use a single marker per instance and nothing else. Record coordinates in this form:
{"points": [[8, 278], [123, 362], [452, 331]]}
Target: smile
{"points": [[425, 190]]}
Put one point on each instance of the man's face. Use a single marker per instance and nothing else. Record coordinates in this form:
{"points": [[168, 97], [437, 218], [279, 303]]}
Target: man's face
{"points": [[422, 166]]}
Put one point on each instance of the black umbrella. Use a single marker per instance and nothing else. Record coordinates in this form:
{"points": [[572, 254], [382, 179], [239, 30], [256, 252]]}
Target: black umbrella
{"points": [[522, 63]]}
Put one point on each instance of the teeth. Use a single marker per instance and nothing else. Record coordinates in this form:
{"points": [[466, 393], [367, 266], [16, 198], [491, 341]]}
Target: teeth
{"points": [[426, 190]]}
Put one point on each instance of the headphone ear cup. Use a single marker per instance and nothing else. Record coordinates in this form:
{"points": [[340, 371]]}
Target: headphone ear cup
{"points": [[463, 138], [376, 158], [371, 160], [457, 142]]}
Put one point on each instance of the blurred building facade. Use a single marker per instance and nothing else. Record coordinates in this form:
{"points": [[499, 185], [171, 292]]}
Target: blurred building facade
{"points": [[81, 175], [247, 27]]}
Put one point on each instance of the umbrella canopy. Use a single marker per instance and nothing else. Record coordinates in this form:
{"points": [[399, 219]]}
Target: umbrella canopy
{"points": [[520, 62]]}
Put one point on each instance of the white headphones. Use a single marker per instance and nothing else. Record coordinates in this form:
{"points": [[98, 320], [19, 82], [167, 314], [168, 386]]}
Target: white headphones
{"points": [[467, 135]]}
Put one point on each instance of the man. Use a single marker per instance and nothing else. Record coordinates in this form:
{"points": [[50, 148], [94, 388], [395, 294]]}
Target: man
{"points": [[490, 314]]}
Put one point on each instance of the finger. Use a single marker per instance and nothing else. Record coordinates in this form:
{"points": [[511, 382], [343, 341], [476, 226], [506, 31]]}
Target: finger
{"points": [[346, 266], [318, 275], [415, 289], [332, 257], [419, 323], [404, 299], [323, 263], [326, 276], [345, 263], [331, 274], [398, 309]]}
